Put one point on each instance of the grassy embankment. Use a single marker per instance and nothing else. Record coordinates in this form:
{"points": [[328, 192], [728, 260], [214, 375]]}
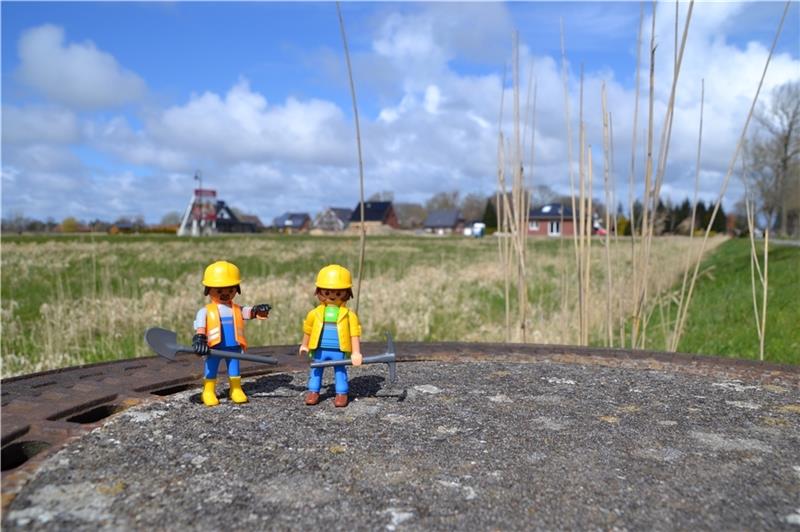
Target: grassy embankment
{"points": [[77, 299], [721, 319]]}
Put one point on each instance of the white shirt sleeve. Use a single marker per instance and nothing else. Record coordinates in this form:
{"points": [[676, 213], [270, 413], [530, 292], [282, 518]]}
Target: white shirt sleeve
{"points": [[200, 319], [247, 313]]}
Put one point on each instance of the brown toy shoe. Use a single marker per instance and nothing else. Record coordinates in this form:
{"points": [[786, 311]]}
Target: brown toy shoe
{"points": [[340, 400], [312, 398]]}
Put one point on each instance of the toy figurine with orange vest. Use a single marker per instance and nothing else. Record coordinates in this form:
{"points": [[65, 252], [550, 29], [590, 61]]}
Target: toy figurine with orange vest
{"points": [[331, 332], [220, 325]]}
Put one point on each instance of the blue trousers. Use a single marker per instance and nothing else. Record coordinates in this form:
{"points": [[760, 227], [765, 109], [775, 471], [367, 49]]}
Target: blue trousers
{"points": [[340, 372], [212, 363]]}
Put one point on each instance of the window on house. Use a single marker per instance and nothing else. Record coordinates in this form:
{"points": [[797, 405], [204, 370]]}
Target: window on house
{"points": [[554, 228], [533, 226]]}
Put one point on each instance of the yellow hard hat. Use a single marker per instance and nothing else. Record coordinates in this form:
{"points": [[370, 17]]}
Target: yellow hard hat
{"points": [[221, 273], [334, 277]]}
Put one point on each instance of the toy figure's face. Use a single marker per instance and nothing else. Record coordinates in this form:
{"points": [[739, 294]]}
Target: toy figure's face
{"points": [[332, 297], [224, 294]]}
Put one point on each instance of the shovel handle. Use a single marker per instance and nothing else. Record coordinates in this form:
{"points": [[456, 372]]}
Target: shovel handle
{"points": [[240, 356]]}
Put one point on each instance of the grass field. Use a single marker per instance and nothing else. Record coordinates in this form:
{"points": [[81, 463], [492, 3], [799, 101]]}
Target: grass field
{"points": [[721, 319], [76, 299]]}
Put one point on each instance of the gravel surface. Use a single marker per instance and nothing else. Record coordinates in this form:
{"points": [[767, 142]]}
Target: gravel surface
{"points": [[468, 446]]}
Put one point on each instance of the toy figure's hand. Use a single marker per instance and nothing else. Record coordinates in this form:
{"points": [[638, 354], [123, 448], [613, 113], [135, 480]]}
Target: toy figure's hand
{"points": [[356, 358], [200, 344], [262, 310], [303, 351]]}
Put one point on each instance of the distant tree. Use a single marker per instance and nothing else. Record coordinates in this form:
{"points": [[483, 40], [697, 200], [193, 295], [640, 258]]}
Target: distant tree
{"points": [[410, 215], [684, 211], [623, 225], [772, 167], [99, 226], [636, 218], [472, 207], [14, 224], [35, 226], [442, 201], [70, 225], [660, 219], [171, 218], [542, 195], [490, 216], [702, 216], [720, 222]]}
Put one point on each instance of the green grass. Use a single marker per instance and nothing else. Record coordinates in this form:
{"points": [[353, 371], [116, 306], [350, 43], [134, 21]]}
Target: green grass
{"points": [[79, 299], [721, 320]]}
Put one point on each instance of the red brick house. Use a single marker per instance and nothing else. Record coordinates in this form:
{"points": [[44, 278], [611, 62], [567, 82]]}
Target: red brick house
{"points": [[553, 219]]}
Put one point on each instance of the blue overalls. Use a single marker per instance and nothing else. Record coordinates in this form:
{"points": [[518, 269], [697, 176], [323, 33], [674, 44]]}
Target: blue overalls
{"points": [[329, 350], [228, 343]]}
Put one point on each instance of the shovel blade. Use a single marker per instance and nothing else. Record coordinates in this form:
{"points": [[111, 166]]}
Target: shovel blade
{"points": [[162, 341]]}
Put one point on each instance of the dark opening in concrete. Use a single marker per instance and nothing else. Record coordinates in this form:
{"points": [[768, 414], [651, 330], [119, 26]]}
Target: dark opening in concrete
{"points": [[171, 390], [18, 453], [96, 414]]}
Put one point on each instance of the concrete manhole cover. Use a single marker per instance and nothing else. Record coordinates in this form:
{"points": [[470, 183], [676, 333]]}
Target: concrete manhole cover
{"points": [[476, 445]]}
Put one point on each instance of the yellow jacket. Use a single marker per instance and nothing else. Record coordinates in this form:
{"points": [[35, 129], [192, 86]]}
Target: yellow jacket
{"points": [[347, 325]]}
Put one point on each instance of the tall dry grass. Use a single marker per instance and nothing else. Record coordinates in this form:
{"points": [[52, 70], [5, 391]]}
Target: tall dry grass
{"points": [[420, 289]]}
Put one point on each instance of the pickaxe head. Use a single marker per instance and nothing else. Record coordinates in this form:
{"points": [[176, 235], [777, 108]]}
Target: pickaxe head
{"points": [[393, 363]]}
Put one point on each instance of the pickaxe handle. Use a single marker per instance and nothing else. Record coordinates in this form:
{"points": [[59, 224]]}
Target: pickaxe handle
{"points": [[389, 359]]}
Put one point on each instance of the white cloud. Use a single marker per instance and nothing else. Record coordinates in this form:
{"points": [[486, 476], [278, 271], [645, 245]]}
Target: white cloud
{"points": [[39, 124], [242, 125], [77, 75]]}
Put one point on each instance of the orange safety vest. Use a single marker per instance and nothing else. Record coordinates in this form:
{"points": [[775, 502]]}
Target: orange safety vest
{"points": [[214, 325]]}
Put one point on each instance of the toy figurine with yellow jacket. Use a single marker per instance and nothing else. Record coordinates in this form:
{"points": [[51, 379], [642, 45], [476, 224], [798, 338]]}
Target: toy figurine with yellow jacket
{"points": [[220, 325], [331, 332]]}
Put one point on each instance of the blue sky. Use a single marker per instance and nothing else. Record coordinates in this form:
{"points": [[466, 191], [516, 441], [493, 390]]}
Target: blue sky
{"points": [[109, 108]]}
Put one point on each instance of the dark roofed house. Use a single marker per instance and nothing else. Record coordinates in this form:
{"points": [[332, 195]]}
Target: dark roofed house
{"points": [[292, 222], [229, 222], [553, 219], [443, 222], [378, 215], [333, 219]]}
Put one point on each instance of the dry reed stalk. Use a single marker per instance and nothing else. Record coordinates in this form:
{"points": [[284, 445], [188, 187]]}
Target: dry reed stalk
{"points": [[762, 277], [363, 232], [519, 202], [606, 189], [678, 332], [666, 131], [641, 271], [588, 237], [651, 200], [583, 325], [512, 215], [632, 171], [569, 153]]}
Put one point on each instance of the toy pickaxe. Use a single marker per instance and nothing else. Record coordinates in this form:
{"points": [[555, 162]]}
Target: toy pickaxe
{"points": [[387, 358], [165, 343]]}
